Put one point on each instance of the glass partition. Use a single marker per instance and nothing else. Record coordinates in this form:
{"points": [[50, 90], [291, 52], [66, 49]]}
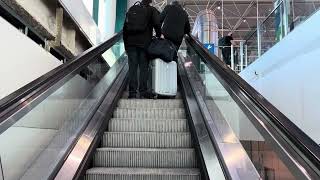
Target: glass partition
{"points": [[252, 48], [45, 130], [227, 113], [300, 10], [272, 29], [284, 18]]}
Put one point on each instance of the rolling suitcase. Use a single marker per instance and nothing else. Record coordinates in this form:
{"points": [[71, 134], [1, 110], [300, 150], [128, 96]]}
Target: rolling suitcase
{"points": [[164, 78]]}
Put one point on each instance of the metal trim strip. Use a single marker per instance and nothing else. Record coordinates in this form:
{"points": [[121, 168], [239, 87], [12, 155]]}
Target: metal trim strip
{"points": [[80, 155], [23, 96], [279, 122], [243, 169]]}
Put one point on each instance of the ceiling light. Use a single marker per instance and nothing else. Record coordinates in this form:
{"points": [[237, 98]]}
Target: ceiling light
{"points": [[219, 7], [244, 20]]}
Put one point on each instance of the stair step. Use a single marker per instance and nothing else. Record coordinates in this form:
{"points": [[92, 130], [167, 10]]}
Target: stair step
{"points": [[150, 113], [147, 125], [142, 174], [145, 157], [147, 140], [150, 103]]}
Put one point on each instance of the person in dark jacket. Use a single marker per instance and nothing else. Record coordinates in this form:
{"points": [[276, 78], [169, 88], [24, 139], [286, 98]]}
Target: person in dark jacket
{"points": [[136, 45], [226, 50], [175, 23]]}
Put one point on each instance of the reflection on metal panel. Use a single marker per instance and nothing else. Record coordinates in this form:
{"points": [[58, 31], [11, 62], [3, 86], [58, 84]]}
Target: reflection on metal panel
{"points": [[83, 19], [1, 170], [206, 28]]}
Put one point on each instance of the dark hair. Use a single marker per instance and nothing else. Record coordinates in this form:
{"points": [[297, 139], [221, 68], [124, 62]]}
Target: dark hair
{"points": [[147, 2], [175, 3]]}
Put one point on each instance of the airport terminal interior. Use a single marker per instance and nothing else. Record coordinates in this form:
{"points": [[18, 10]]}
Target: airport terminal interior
{"points": [[66, 112]]}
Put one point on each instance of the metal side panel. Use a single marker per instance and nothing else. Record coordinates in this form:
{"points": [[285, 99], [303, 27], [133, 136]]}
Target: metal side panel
{"points": [[208, 158], [83, 151], [211, 138]]}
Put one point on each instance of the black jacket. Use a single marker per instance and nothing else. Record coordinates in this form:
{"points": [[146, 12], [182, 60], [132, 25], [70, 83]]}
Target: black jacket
{"points": [[175, 22], [143, 39]]}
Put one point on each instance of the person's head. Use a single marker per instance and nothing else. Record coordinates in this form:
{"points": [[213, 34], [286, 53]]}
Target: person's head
{"points": [[175, 3], [147, 2], [230, 34]]}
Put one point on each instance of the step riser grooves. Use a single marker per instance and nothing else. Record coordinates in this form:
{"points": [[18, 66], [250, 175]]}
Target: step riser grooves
{"points": [[150, 104], [149, 140], [150, 113], [146, 159], [139, 177], [118, 125]]}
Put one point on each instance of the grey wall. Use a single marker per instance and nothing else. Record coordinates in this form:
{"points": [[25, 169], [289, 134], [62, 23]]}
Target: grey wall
{"points": [[22, 60], [288, 76]]}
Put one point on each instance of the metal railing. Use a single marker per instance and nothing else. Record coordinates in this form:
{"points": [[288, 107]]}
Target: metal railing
{"points": [[297, 150], [238, 57], [63, 101]]}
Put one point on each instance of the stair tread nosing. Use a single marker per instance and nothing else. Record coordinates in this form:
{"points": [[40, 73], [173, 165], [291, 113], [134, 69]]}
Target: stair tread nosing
{"points": [[147, 139], [139, 119], [150, 103], [152, 113], [145, 157], [155, 125], [131, 171]]}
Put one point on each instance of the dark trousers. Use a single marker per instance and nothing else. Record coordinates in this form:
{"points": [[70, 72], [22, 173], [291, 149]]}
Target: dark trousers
{"points": [[226, 53], [138, 59]]}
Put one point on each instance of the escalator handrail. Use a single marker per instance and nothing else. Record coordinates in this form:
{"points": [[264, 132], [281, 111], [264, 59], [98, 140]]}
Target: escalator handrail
{"points": [[12, 102], [305, 144]]}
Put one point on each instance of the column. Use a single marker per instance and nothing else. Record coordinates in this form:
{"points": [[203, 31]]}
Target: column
{"points": [[120, 14], [110, 17], [95, 11]]}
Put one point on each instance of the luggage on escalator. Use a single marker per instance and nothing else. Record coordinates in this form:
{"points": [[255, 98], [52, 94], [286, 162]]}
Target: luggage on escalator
{"points": [[164, 77], [163, 49]]}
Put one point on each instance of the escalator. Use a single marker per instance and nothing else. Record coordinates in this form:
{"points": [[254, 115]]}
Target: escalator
{"points": [[146, 139], [76, 122]]}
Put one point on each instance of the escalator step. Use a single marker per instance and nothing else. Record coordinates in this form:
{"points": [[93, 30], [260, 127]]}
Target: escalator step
{"points": [[172, 113], [147, 125], [149, 103], [142, 174], [143, 157], [147, 140]]}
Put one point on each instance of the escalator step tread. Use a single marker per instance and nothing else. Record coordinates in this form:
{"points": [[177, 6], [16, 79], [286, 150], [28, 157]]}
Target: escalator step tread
{"points": [[148, 125], [142, 173], [145, 157], [147, 140], [150, 103], [150, 113], [126, 94]]}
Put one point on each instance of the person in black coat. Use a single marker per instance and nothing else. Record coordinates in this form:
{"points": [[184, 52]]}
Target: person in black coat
{"points": [[175, 23], [226, 49], [136, 45]]}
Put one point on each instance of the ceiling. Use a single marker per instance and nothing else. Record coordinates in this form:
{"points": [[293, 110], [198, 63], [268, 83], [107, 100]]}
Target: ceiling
{"points": [[239, 16]]}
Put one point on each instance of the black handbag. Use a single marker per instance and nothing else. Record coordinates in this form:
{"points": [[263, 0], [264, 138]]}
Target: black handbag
{"points": [[163, 49]]}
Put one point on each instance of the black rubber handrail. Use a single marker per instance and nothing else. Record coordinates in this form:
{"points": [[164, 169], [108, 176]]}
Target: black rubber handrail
{"points": [[12, 102], [301, 140]]}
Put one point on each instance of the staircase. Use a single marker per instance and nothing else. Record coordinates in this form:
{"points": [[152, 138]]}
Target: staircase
{"points": [[146, 140]]}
